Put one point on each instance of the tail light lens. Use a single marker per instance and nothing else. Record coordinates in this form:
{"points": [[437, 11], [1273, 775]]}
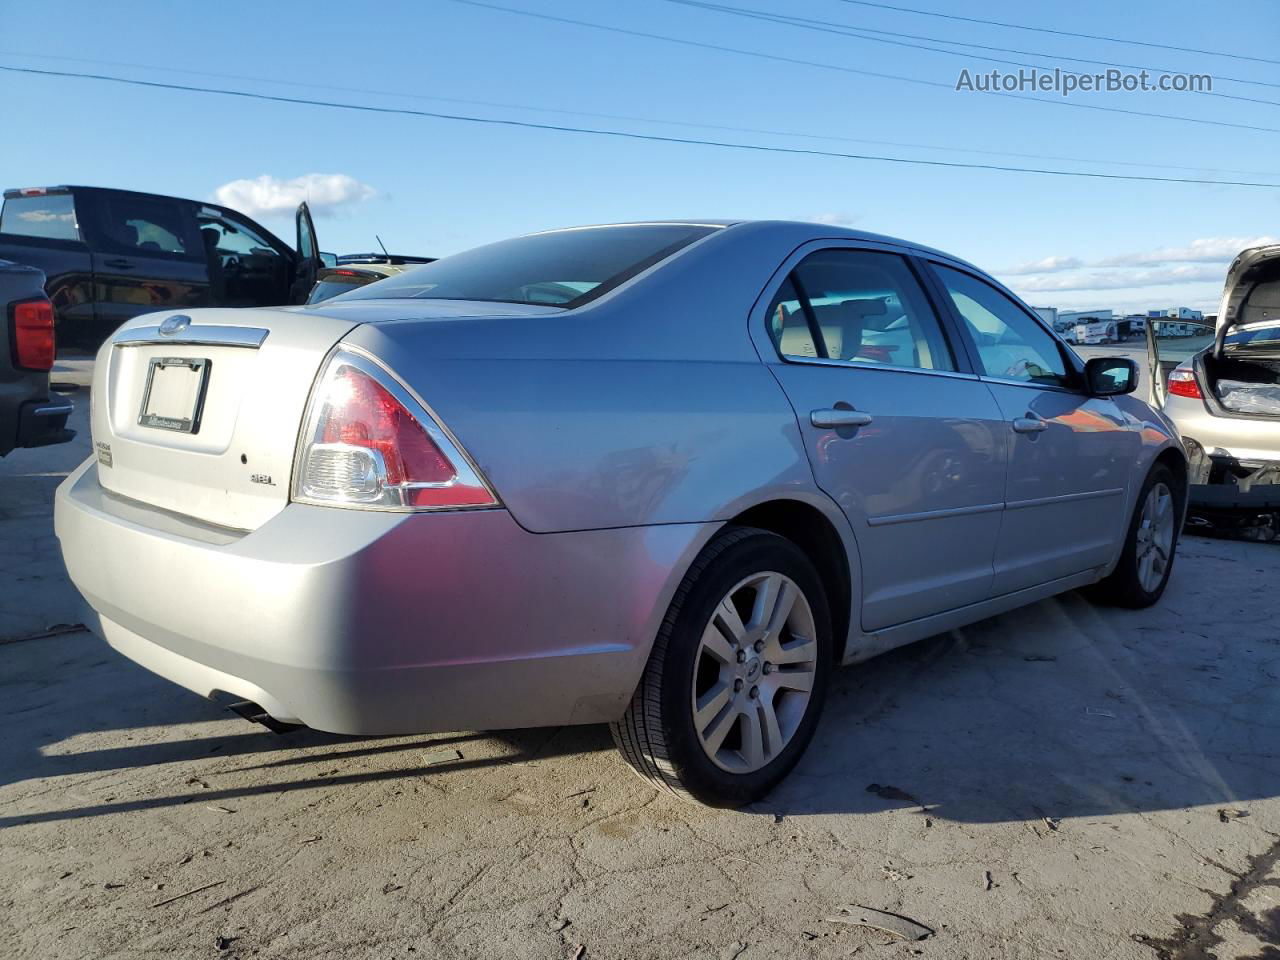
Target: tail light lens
{"points": [[368, 442], [33, 343], [1183, 383]]}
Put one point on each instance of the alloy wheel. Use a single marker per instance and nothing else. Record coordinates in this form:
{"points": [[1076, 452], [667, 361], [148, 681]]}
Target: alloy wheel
{"points": [[1155, 537], [754, 672]]}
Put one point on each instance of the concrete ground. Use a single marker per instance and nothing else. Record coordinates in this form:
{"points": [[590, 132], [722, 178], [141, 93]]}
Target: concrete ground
{"points": [[1064, 781]]}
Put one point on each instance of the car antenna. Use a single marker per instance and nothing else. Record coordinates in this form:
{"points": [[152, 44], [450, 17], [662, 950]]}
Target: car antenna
{"points": [[382, 245]]}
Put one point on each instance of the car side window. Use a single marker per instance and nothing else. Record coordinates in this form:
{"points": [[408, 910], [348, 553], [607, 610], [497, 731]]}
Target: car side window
{"points": [[788, 325], [862, 307], [1011, 344], [145, 225], [228, 236]]}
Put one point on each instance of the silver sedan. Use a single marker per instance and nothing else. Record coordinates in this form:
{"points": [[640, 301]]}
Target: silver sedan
{"points": [[1219, 384], [664, 476]]}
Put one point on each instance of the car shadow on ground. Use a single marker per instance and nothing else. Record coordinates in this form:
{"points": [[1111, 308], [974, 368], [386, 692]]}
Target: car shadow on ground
{"points": [[73, 700], [1062, 709]]}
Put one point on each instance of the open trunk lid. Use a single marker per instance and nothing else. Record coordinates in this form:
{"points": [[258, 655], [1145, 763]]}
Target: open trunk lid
{"points": [[198, 414], [1251, 295]]}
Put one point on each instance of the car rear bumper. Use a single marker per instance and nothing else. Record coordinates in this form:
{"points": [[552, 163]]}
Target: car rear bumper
{"points": [[361, 622], [1239, 438], [32, 423]]}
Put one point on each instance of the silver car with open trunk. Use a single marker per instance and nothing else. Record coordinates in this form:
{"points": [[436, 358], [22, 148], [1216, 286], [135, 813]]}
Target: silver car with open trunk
{"points": [[1219, 384], [664, 476]]}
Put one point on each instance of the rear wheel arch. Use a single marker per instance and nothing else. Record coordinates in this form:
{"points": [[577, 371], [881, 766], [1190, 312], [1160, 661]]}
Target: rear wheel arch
{"points": [[813, 532]]}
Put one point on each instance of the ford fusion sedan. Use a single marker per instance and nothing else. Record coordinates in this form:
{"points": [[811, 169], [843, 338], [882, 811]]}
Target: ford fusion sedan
{"points": [[665, 476]]}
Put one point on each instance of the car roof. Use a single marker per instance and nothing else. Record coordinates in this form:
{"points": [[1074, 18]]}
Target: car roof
{"points": [[818, 230]]}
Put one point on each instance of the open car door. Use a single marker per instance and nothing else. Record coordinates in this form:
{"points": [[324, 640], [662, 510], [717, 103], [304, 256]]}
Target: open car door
{"points": [[309, 260], [1156, 374], [1171, 342]]}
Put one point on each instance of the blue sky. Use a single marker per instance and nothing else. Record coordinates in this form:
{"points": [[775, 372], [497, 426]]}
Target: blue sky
{"points": [[434, 186]]}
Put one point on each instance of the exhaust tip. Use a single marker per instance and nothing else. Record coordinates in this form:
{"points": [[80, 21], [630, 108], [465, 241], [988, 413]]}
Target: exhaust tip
{"points": [[255, 714]]}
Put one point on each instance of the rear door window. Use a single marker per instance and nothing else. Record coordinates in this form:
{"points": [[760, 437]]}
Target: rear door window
{"points": [[862, 307], [51, 217], [146, 226]]}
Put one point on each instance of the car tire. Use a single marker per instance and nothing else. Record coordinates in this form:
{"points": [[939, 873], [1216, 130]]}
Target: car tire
{"points": [[1150, 545], [730, 614]]}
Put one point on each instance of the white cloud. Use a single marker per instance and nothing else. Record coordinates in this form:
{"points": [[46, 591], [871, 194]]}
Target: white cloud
{"points": [[1045, 265], [1204, 250], [44, 216], [834, 219], [1202, 262], [1123, 279], [323, 192]]}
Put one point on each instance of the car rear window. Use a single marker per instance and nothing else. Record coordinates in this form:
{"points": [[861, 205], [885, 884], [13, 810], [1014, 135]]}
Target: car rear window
{"points": [[52, 216], [564, 268]]}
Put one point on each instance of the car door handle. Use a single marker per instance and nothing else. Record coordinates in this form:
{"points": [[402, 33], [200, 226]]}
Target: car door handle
{"points": [[118, 263], [828, 417], [1030, 424]]}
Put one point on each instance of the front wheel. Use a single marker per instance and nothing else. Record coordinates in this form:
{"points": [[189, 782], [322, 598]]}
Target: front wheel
{"points": [[1142, 574], [736, 680]]}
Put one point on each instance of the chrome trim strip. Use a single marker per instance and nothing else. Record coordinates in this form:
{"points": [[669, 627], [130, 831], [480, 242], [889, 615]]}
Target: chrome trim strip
{"points": [[198, 334], [1052, 388], [934, 514], [1065, 498], [988, 507], [51, 411], [885, 367]]}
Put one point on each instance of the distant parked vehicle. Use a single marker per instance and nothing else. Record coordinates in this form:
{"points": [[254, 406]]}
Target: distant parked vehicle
{"points": [[109, 255], [661, 475], [30, 414], [358, 269], [1095, 333], [1220, 385]]}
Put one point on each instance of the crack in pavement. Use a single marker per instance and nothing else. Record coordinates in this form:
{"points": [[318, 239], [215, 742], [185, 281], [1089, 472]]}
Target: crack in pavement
{"points": [[1199, 935]]}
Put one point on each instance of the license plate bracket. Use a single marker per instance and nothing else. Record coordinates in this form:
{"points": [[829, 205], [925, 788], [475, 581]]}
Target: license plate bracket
{"points": [[174, 397]]}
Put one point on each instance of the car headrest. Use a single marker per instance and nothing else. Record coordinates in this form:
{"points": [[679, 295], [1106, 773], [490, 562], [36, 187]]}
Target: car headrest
{"points": [[842, 325]]}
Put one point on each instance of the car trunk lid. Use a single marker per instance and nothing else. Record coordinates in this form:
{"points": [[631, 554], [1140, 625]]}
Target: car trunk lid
{"points": [[1251, 294], [199, 414]]}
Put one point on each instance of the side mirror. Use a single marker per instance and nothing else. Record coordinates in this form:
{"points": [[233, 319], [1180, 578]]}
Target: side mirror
{"points": [[1111, 376]]}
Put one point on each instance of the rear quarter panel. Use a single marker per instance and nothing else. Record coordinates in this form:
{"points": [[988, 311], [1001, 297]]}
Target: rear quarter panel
{"points": [[647, 406]]}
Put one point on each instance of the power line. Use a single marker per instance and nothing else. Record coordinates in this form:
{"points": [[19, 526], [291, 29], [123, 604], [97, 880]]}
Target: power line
{"points": [[629, 135], [639, 119], [861, 33], [1040, 53], [1060, 33], [950, 88]]}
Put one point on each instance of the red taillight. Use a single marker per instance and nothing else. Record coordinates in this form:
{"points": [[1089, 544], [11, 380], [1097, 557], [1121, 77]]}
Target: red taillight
{"points": [[1183, 383], [367, 445], [366, 415], [33, 344]]}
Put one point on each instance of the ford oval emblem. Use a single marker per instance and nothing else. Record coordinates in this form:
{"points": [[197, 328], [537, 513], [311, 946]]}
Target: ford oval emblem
{"points": [[174, 325]]}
